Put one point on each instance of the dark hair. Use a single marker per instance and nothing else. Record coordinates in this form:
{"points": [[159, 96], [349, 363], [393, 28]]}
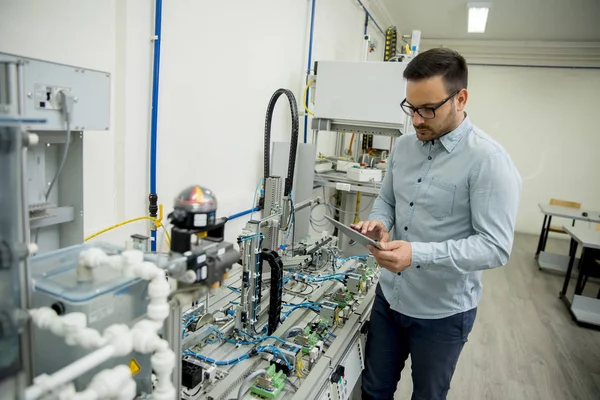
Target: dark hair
{"points": [[447, 63]]}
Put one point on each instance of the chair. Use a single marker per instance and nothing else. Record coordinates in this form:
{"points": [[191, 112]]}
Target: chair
{"points": [[562, 203]]}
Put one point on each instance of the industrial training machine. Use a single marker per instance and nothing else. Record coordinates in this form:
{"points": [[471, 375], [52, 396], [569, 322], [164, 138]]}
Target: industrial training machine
{"points": [[282, 313]]}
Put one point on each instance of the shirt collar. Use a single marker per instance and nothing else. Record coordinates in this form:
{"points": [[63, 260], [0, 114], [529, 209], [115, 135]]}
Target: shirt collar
{"points": [[451, 139]]}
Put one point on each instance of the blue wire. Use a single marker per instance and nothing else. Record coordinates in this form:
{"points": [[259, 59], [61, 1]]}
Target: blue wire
{"points": [[233, 289], [260, 181], [331, 333], [219, 335], [211, 361]]}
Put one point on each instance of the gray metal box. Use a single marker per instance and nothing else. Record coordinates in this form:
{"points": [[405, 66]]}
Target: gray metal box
{"points": [[38, 83], [361, 94], [109, 299], [304, 175]]}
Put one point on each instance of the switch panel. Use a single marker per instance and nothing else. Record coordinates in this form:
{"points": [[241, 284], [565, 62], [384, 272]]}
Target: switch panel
{"points": [[48, 97]]}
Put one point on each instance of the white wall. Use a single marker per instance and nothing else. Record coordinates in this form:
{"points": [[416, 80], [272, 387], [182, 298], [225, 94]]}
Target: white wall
{"points": [[547, 120], [83, 35], [220, 63]]}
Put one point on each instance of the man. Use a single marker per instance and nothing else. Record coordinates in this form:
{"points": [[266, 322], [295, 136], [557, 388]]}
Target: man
{"points": [[451, 194]]}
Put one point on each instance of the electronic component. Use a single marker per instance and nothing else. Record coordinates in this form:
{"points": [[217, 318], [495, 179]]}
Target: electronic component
{"points": [[371, 263], [192, 373], [269, 385], [314, 353], [330, 313], [280, 365], [338, 374], [210, 373], [355, 284], [293, 354], [364, 174], [323, 167], [344, 166], [342, 298], [194, 217]]}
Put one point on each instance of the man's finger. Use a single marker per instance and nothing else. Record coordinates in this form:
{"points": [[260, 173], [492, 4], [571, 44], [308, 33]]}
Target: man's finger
{"points": [[373, 225], [383, 255], [357, 225], [369, 227], [396, 244]]}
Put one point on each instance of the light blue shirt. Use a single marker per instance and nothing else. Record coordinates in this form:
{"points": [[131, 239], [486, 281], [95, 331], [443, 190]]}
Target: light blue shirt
{"points": [[455, 200]]}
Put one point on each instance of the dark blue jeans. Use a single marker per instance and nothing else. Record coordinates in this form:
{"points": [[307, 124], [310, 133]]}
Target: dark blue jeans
{"points": [[433, 344]]}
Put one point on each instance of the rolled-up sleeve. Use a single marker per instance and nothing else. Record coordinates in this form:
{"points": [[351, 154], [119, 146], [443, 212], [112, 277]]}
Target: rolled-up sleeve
{"points": [[494, 194]]}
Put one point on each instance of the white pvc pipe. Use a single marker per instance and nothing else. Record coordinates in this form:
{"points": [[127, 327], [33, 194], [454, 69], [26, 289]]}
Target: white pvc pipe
{"points": [[69, 373]]}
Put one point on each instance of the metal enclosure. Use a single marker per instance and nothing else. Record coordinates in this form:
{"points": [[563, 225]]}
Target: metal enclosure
{"points": [[304, 174], [361, 97], [38, 83], [109, 299], [31, 89]]}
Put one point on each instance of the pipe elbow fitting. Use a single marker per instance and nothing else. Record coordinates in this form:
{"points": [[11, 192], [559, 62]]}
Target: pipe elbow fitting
{"points": [[120, 338], [163, 363], [93, 258]]}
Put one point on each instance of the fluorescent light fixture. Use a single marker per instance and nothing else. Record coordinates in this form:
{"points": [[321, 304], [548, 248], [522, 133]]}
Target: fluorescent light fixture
{"points": [[478, 14]]}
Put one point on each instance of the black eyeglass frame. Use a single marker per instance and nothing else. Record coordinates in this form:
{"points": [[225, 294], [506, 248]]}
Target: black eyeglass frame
{"points": [[432, 109]]}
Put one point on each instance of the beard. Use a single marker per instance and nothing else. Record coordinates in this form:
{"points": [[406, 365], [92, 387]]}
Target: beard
{"points": [[426, 132]]}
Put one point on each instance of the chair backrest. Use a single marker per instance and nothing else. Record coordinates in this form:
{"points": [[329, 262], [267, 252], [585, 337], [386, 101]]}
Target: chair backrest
{"points": [[564, 203]]}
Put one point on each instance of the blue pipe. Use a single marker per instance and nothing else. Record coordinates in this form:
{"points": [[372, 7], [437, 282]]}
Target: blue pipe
{"points": [[241, 214], [310, 46], [154, 110], [372, 19]]}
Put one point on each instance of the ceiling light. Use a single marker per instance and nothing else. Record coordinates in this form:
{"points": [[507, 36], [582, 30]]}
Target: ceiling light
{"points": [[478, 13]]}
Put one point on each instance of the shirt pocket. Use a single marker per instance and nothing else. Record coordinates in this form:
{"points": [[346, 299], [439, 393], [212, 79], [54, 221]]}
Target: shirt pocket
{"points": [[439, 198]]}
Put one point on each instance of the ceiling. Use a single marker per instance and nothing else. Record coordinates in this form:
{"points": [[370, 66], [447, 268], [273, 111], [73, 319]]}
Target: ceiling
{"points": [[545, 20]]}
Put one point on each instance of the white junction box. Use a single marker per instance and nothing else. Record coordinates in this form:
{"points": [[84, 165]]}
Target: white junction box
{"points": [[344, 166], [323, 167], [365, 174]]}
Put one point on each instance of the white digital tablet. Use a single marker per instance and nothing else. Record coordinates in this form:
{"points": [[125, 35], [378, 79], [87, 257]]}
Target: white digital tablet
{"points": [[354, 235]]}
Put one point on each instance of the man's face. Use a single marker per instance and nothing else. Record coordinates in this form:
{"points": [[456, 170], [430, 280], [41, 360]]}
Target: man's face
{"points": [[429, 93]]}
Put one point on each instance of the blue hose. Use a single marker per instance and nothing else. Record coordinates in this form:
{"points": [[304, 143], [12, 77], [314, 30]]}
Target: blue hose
{"points": [[154, 111], [241, 214]]}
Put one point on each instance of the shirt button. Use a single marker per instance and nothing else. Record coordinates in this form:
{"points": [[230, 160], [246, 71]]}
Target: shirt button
{"points": [[399, 273], [418, 266], [419, 180], [429, 158], [412, 204], [406, 228]]}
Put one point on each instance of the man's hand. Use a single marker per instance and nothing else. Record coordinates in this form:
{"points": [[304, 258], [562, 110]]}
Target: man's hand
{"points": [[395, 256], [372, 229]]}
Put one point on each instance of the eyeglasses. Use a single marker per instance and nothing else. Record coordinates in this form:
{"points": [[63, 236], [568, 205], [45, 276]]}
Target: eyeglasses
{"points": [[425, 112]]}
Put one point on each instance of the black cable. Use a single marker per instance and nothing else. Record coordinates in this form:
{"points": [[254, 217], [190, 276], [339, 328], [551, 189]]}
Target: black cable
{"points": [[294, 140], [192, 395]]}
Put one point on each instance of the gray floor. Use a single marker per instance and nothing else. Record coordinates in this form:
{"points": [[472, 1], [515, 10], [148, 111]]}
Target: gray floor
{"points": [[524, 344]]}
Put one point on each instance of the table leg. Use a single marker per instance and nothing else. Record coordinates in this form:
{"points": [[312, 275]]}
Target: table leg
{"points": [[547, 232], [579, 284], [539, 246], [572, 253]]}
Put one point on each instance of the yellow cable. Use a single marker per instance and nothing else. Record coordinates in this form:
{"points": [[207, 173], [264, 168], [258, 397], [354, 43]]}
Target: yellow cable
{"points": [[158, 223], [304, 97], [357, 207]]}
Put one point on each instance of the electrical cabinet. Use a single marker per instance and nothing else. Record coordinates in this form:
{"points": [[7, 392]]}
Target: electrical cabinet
{"points": [[31, 90], [361, 97]]}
